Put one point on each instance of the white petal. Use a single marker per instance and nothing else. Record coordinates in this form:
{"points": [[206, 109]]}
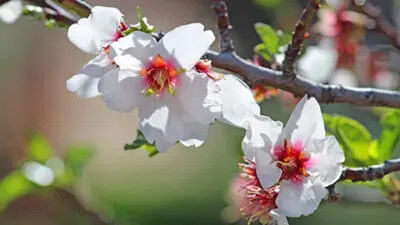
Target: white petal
{"points": [[344, 77], [92, 34], [106, 20], [86, 81], [305, 123], [10, 11], [267, 171], [121, 90], [195, 133], [318, 62], [186, 44], [261, 134], [279, 218], [238, 102], [199, 96], [85, 36], [139, 45], [328, 162], [161, 119], [295, 200]]}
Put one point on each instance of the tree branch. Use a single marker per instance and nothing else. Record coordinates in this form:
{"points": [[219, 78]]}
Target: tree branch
{"points": [[371, 172], [223, 25], [298, 37], [300, 86], [381, 24]]}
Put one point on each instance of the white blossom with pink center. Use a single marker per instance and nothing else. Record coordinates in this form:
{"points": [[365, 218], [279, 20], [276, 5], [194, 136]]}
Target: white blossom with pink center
{"points": [[299, 157], [177, 100], [10, 11], [94, 35]]}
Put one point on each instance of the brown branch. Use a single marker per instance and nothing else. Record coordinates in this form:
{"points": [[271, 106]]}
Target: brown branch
{"points": [[381, 24], [298, 37], [82, 8], [300, 86], [371, 172], [223, 25]]}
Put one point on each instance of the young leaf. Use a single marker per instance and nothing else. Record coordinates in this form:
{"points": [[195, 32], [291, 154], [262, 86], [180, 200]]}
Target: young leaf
{"points": [[390, 134], [39, 149], [13, 186], [354, 138], [76, 158], [268, 36], [141, 142], [261, 50]]}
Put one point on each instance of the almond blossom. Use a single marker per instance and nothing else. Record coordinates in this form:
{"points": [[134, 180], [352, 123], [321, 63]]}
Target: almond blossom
{"points": [[10, 11], [94, 35], [177, 94], [252, 200], [298, 157]]}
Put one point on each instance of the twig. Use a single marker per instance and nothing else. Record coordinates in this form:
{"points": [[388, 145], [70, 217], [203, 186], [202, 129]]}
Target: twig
{"points": [[371, 172], [79, 7], [300, 86], [224, 26], [381, 24], [298, 37]]}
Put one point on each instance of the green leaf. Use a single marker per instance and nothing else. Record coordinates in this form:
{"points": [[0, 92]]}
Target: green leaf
{"points": [[354, 138], [141, 142], [76, 158], [39, 149], [268, 36], [151, 149], [269, 3], [284, 39], [261, 50], [12, 187], [390, 134]]}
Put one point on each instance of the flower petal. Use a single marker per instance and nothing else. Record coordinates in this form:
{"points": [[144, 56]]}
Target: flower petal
{"points": [[186, 44], [199, 96], [238, 103], [305, 123], [267, 171], [195, 133], [161, 120], [10, 11], [106, 20], [318, 62], [97, 31], [121, 90], [86, 81], [328, 162], [299, 199], [261, 133], [278, 217], [84, 36], [141, 46]]}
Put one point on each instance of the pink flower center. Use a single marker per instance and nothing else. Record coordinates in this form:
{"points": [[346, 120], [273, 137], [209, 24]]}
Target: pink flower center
{"points": [[203, 66], [122, 27], [292, 160], [159, 76], [254, 201]]}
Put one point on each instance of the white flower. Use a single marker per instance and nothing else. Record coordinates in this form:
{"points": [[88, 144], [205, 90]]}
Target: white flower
{"points": [[175, 101], [10, 11], [319, 62], [298, 156], [94, 35]]}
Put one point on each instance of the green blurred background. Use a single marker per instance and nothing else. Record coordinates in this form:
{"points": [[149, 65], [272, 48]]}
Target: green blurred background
{"points": [[184, 186]]}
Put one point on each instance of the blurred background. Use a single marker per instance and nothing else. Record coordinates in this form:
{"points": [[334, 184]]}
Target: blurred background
{"points": [[184, 186]]}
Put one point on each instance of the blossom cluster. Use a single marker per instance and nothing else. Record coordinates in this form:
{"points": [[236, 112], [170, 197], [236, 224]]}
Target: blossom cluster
{"points": [[178, 96]]}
